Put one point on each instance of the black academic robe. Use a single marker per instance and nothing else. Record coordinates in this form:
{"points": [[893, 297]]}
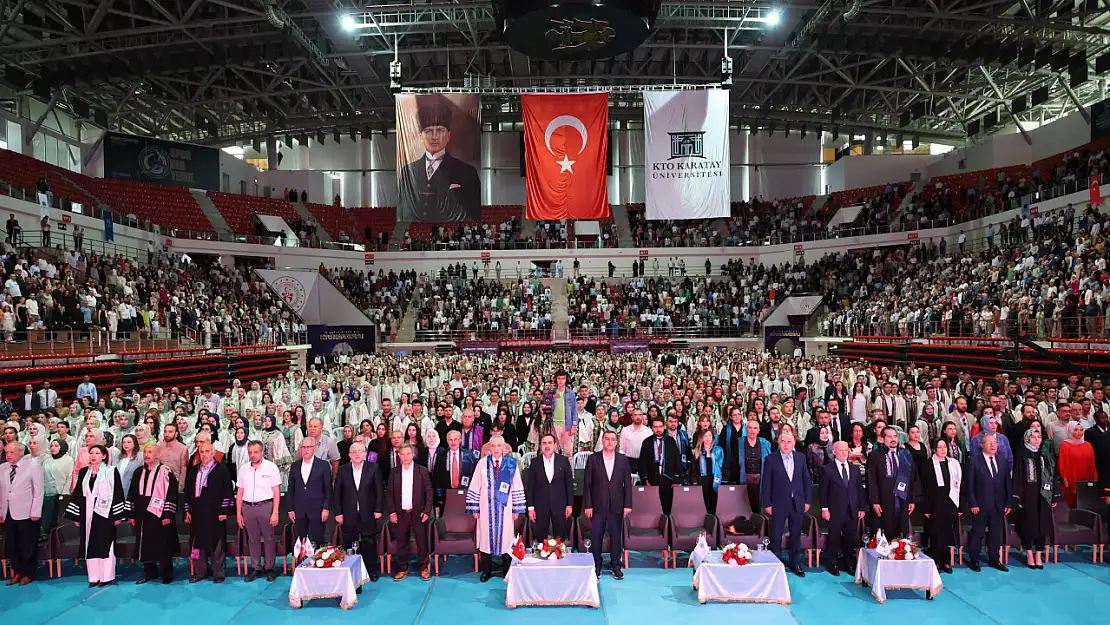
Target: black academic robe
{"points": [[153, 540], [98, 537], [216, 498]]}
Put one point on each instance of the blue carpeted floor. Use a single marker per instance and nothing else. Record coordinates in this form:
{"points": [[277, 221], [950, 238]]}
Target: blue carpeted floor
{"points": [[1074, 591]]}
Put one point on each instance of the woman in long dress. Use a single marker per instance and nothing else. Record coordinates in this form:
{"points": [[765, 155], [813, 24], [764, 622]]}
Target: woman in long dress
{"points": [[1035, 493], [97, 507], [275, 449], [941, 481], [57, 474]]}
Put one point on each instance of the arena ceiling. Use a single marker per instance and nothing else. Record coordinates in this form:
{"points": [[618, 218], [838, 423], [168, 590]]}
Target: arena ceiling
{"points": [[247, 69]]}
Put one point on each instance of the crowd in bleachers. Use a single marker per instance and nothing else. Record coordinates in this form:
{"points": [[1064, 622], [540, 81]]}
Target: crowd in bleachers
{"points": [[1044, 277], [384, 297], [451, 303], [464, 235]]}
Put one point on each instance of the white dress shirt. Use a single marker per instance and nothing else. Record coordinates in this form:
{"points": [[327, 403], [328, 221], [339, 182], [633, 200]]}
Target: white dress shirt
{"points": [[406, 487], [306, 469], [609, 461], [549, 467]]}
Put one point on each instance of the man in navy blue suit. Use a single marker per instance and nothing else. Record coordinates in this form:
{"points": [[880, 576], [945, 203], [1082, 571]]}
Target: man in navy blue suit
{"points": [[842, 506], [785, 492], [309, 493], [990, 493]]}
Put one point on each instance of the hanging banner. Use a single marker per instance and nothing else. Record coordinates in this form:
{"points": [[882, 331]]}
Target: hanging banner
{"points": [[109, 227], [686, 154], [143, 159], [342, 340], [438, 154], [629, 347], [566, 140]]}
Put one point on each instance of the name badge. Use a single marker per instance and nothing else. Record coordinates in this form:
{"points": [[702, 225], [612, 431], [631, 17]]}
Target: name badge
{"points": [[901, 487], [504, 488], [157, 502], [465, 481], [102, 506], [477, 453]]}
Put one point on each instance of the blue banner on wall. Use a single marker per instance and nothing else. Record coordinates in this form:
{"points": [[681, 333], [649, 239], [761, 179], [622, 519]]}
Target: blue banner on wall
{"points": [[109, 227], [337, 340]]}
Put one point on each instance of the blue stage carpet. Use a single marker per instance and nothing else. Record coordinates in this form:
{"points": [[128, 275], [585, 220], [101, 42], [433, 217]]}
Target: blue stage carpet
{"points": [[1073, 592]]}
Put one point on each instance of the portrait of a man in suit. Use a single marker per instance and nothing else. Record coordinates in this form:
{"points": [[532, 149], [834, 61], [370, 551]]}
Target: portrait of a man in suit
{"points": [[438, 186]]}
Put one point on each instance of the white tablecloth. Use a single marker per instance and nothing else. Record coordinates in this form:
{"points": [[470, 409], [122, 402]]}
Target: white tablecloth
{"points": [[883, 574], [570, 581], [339, 582], [763, 580]]}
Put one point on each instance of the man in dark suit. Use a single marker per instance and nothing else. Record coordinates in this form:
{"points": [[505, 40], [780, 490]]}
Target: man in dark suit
{"points": [[358, 500], [606, 498], [840, 422], [453, 467], [309, 494], [842, 506], [785, 491], [409, 499], [990, 492], [892, 486], [437, 186], [659, 463], [550, 491]]}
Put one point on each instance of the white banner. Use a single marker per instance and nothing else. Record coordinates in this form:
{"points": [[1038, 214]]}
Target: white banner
{"points": [[686, 154]]}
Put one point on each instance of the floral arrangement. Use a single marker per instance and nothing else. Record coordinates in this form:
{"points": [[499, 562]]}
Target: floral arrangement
{"points": [[738, 554], [903, 549], [551, 549], [327, 557]]}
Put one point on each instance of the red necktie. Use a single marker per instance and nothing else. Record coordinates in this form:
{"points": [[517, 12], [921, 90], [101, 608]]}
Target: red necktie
{"points": [[454, 469]]}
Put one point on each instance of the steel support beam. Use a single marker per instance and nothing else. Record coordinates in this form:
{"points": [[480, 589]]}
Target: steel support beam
{"points": [[1074, 99], [29, 133], [1006, 104]]}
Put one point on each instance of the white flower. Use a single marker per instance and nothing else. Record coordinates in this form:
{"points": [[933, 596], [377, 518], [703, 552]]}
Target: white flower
{"points": [[320, 564], [909, 555], [551, 541]]}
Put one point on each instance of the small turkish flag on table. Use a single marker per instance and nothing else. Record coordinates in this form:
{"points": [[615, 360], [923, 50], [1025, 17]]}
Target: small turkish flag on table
{"points": [[566, 141], [519, 550]]}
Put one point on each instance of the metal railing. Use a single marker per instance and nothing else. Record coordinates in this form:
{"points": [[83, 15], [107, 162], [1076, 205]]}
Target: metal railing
{"points": [[68, 340], [63, 240], [463, 246], [443, 336], [679, 332], [216, 340], [1052, 329]]}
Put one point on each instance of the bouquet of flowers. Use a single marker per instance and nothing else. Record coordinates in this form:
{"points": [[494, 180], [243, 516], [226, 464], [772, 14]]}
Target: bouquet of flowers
{"points": [[327, 557], [551, 549], [903, 549], [738, 554]]}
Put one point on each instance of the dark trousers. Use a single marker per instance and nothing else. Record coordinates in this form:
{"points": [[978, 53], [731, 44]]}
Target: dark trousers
{"points": [[21, 541], [779, 521], [708, 493], [753, 492], [309, 524], [550, 523], [666, 495], [367, 546], [408, 524], [843, 534], [486, 562], [212, 563], [993, 523], [613, 522], [163, 567]]}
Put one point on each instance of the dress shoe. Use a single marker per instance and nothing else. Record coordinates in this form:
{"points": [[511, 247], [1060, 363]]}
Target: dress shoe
{"points": [[850, 569], [426, 574], [253, 575], [1039, 566], [618, 573], [374, 577], [144, 580], [973, 567], [834, 571], [218, 580], [400, 575], [197, 578], [484, 577], [15, 579], [167, 580], [93, 584], [271, 575], [1001, 567], [358, 591], [597, 572], [947, 568], [798, 571], [23, 581]]}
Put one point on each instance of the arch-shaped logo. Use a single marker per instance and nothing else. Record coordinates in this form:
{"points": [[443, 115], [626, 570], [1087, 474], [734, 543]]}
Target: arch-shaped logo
{"points": [[154, 162]]}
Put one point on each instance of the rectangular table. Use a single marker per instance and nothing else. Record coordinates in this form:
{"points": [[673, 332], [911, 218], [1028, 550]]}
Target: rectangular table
{"points": [[536, 582], [763, 580], [339, 582], [884, 574]]}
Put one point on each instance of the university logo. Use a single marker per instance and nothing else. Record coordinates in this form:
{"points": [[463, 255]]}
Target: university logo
{"points": [[291, 291], [687, 144], [154, 163]]}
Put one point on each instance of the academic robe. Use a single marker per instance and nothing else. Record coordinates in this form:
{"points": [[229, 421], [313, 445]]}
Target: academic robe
{"points": [[216, 498], [98, 532], [496, 531], [153, 540]]}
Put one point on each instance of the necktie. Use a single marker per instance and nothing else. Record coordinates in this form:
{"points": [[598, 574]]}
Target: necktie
{"points": [[659, 451], [393, 460], [454, 469], [497, 467], [844, 472], [11, 476], [431, 167], [992, 467], [894, 455]]}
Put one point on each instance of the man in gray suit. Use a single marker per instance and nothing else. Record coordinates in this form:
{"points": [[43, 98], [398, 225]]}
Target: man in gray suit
{"points": [[20, 509]]}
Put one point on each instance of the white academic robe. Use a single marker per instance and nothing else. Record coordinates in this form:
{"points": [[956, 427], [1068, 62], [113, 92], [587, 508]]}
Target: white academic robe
{"points": [[496, 531]]}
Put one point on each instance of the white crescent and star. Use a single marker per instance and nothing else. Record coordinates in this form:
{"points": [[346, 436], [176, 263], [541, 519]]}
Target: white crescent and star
{"points": [[566, 164]]}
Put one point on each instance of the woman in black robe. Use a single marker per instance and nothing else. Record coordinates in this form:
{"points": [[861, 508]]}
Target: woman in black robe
{"points": [[1036, 490], [97, 507], [942, 483]]}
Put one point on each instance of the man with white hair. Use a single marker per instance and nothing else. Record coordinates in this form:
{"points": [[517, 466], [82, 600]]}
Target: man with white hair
{"points": [[359, 500], [21, 494], [495, 497], [326, 447]]}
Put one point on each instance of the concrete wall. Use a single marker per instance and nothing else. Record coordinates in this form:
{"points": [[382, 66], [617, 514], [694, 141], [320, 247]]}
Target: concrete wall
{"points": [[241, 176], [869, 170], [316, 183], [1060, 136], [782, 167]]}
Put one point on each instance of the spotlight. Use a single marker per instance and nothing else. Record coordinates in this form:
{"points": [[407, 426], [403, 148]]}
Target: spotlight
{"points": [[773, 18], [395, 76], [348, 23]]}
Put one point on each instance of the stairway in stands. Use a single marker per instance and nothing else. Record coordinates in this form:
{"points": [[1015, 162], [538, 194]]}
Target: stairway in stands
{"points": [[211, 212], [560, 305], [306, 216], [406, 333], [818, 204], [622, 226], [398, 235]]}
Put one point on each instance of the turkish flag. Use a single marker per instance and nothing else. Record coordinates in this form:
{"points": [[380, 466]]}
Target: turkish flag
{"points": [[519, 550], [565, 142], [1096, 190]]}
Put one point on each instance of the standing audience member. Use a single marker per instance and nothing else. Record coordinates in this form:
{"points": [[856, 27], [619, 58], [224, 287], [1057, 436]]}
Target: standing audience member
{"points": [[309, 494], [21, 497], [785, 491], [358, 501], [607, 499], [409, 498], [98, 505], [843, 506], [1035, 493], [990, 492], [152, 506], [209, 500], [257, 500], [942, 484]]}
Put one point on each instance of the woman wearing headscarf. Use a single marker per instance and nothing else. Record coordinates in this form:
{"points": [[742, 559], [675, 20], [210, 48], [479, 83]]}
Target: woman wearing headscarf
{"points": [[130, 459], [143, 436], [236, 456], [820, 453], [1035, 493], [989, 425], [706, 467], [57, 475], [1077, 462], [432, 449], [612, 423], [96, 507], [942, 483], [344, 444]]}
